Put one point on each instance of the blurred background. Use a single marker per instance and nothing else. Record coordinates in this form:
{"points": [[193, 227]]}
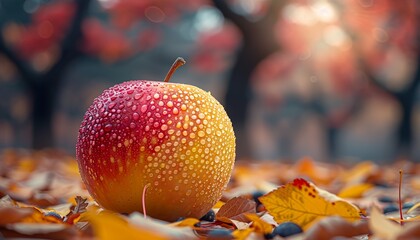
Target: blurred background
{"points": [[332, 80]]}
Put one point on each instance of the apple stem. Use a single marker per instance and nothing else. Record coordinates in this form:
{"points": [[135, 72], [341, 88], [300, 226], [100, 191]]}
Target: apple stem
{"points": [[178, 63]]}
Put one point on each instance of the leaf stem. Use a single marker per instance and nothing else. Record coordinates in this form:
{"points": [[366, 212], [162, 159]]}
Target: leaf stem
{"points": [[178, 63], [399, 197]]}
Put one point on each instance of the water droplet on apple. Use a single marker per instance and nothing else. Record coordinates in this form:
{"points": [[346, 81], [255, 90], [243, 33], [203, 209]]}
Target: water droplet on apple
{"points": [[111, 105], [108, 127], [136, 116], [143, 108]]}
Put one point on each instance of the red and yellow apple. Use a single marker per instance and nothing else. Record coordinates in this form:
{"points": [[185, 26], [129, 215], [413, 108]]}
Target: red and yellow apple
{"points": [[176, 140]]}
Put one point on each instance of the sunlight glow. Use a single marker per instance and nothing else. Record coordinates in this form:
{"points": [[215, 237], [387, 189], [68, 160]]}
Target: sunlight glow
{"points": [[335, 36], [208, 19], [324, 11], [107, 3], [299, 14]]}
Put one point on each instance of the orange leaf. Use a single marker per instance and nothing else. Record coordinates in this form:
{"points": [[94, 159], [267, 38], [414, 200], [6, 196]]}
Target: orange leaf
{"points": [[236, 208], [303, 203], [107, 226]]}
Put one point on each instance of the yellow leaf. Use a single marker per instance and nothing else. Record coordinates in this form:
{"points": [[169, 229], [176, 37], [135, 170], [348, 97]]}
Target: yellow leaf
{"points": [[355, 191], [219, 204], [359, 172], [108, 226], [303, 203], [188, 222], [242, 234], [258, 224], [414, 208]]}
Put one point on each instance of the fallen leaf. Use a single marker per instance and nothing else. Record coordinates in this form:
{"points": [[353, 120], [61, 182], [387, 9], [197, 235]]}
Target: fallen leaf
{"points": [[331, 227], [242, 234], [10, 215], [166, 230], [414, 209], [188, 222], [360, 172], [411, 231], [382, 227], [258, 224], [76, 210], [236, 208], [355, 191], [41, 230], [303, 203], [108, 226]]}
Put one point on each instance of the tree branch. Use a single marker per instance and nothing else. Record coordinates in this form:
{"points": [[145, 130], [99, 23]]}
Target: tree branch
{"points": [[70, 42], [240, 21], [26, 72]]}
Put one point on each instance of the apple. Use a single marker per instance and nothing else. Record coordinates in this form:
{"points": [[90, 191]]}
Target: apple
{"points": [[173, 140]]}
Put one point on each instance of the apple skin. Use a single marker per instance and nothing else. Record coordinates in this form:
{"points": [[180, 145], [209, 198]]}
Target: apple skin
{"points": [[176, 139]]}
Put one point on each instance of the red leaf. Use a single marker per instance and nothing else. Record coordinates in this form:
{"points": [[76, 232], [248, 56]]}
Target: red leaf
{"points": [[236, 209]]}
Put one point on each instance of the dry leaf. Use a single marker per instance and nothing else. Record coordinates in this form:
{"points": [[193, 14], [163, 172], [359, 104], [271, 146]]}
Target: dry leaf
{"points": [[10, 215], [359, 173], [188, 222], [109, 226], [258, 224], [236, 208], [40, 230], [355, 191], [76, 210], [411, 231], [154, 225], [331, 227], [414, 209], [303, 203], [382, 227]]}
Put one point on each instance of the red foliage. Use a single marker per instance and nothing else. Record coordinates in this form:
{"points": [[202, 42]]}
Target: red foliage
{"points": [[47, 28], [109, 45]]}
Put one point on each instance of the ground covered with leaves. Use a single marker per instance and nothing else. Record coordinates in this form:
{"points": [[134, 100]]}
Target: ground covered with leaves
{"points": [[42, 196]]}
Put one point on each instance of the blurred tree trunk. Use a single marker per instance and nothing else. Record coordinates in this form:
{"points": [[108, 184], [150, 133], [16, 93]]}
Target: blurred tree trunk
{"points": [[258, 42], [43, 87]]}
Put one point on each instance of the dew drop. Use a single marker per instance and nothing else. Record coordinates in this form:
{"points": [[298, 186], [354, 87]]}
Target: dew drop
{"points": [[169, 103], [156, 96], [183, 107], [143, 108], [164, 127], [137, 96], [111, 105], [132, 125], [108, 127], [217, 159], [175, 111], [201, 134], [136, 116], [131, 91]]}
